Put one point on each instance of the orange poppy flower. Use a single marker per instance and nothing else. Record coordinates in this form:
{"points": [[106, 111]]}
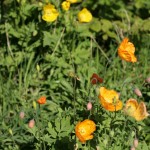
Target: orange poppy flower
{"points": [[126, 51], [138, 111], [84, 130], [95, 79], [42, 100], [110, 99]]}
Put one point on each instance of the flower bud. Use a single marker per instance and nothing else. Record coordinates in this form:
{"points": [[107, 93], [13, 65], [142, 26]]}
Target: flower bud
{"points": [[148, 80], [34, 104], [31, 123], [21, 115], [10, 131], [132, 148], [135, 142], [137, 92], [139, 128], [40, 4], [38, 67], [97, 148], [89, 106]]}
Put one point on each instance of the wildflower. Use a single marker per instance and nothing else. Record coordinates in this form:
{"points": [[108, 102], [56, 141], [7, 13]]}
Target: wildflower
{"points": [[135, 142], [31, 123], [126, 51], [50, 14], [89, 106], [95, 79], [84, 15], [65, 5], [110, 99], [136, 110], [148, 80], [137, 92], [21, 115], [42, 100], [84, 130], [73, 1]]}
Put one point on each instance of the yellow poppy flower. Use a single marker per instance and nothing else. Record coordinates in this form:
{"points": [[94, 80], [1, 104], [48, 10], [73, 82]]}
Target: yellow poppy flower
{"points": [[109, 99], [73, 1], [65, 5], [84, 15], [50, 14], [136, 110], [126, 51], [84, 130]]}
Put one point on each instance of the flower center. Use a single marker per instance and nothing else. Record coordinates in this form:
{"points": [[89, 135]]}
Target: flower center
{"points": [[82, 131]]}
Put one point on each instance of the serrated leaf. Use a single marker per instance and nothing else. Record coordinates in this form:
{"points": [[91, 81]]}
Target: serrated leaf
{"points": [[49, 125], [63, 134], [67, 85], [32, 130], [96, 25], [51, 131], [58, 125], [49, 39], [48, 139]]}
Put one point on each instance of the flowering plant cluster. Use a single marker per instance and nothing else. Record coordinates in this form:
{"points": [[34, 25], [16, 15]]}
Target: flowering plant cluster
{"points": [[62, 86], [50, 13], [109, 99]]}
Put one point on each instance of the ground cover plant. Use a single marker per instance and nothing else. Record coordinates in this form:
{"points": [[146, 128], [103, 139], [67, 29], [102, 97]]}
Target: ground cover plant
{"points": [[74, 74]]}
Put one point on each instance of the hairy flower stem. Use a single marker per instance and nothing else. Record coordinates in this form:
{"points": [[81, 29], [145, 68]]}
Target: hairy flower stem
{"points": [[74, 96]]}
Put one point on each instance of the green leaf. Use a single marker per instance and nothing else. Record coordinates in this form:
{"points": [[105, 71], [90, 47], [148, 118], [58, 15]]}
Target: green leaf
{"points": [[32, 130], [48, 139], [106, 25], [146, 25], [67, 85], [62, 134], [50, 39], [51, 130], [82, 27], [96, 25], [58, 125], [46, 39], [33, 45]]}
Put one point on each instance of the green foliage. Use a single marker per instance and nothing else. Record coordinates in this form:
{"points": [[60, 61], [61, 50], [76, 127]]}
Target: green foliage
{"points": [[57, 60]]}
